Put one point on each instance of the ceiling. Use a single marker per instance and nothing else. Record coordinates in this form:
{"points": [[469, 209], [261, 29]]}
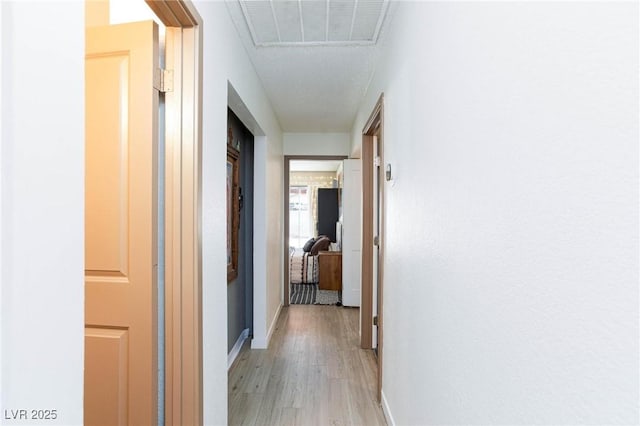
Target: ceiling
{"points": [[315, 82], [313, 22], [314, 165]]}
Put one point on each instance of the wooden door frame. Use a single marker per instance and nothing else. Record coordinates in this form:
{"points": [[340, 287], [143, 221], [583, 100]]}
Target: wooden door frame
{"points": [[183, 213], [374, 124], [287, 168]]}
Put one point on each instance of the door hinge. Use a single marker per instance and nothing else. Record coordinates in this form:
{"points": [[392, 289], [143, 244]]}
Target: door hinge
{"points": [[375, 320], [376, 241], [163, 80], [377, 161]]}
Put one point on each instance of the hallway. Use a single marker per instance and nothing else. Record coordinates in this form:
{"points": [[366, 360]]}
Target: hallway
{"points": [[313, 373], [510, 211]]}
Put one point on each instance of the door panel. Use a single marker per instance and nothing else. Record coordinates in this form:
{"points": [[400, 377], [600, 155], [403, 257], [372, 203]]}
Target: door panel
{"points": [[121, 225], [109, 406], [107, 165]]}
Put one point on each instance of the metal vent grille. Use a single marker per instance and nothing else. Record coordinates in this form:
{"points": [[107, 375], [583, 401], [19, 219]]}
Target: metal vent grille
{"points": [[314, 22]]}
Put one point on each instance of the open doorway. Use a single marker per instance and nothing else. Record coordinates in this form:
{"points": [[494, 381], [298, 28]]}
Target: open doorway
{"points": [[314, 206], [140, 367], [313, 232], [240, 287]]}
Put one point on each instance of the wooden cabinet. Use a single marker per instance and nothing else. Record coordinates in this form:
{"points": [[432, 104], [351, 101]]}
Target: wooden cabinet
{"points": [[330, 274]]}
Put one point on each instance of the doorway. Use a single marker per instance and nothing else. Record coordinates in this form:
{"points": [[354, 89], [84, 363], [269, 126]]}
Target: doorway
{"points": [[240, 289], [179, 400], [312, 204], [373, 235]]}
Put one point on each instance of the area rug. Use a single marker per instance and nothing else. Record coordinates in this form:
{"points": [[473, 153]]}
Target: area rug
{"points": [[309, 294], [303, 294], [328, 297]]}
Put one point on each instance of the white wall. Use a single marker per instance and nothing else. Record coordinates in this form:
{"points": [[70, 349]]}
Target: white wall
{"points": [[42, 179], [42, 200], [226, 62], [316, 143], [511, 269]]}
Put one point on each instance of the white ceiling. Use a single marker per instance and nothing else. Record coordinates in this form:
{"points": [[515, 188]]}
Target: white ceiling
{"points": [[317, 22], [312, 87], [314, 165]]}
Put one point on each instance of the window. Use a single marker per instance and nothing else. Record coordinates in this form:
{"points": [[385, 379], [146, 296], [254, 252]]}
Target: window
{"points": [[300, 229]]}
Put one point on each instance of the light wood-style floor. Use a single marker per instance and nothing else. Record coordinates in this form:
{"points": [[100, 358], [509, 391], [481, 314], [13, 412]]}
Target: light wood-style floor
{"points": [[314, 373]]}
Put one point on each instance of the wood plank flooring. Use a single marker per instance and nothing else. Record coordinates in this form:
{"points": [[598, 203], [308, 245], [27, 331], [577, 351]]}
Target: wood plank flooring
{"points": [[314, 373]]}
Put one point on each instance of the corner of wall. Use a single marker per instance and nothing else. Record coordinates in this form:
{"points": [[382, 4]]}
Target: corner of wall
{"points": [[262, 342], [356, 145], [386, 410], [260, 239]]}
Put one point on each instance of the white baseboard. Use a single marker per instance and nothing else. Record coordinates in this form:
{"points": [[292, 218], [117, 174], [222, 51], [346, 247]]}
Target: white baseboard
{"points": [[386, 411], [236, 348], [272, 328], [257, 342]]}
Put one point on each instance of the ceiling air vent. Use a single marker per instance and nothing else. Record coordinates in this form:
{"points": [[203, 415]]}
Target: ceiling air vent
{"points": [[314, 22]]}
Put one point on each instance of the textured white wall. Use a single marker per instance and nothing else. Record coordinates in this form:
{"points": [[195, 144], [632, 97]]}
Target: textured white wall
{"points": [[42, 220], [511, 270], [316, 143], [225, 62]]}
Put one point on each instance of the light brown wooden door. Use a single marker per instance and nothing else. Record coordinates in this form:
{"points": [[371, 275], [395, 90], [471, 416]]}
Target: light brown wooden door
{"points": [[120, 379]]}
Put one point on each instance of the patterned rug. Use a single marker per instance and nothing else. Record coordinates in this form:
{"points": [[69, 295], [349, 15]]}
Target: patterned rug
{"points": [[303, 294], [309, 294]]}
